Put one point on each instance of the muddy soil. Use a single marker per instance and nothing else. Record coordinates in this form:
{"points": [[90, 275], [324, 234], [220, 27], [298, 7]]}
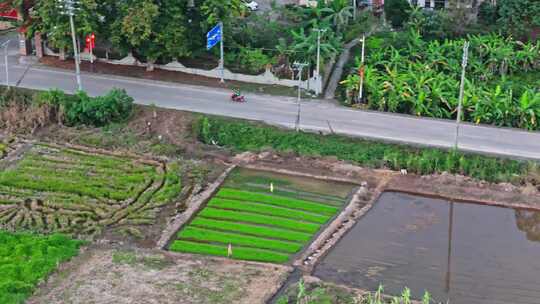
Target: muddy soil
{"points": [[463, 188], [132, 276]]}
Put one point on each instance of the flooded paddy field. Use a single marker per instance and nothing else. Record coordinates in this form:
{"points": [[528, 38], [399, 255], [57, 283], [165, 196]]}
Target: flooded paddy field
{"points": [[463, 253]]}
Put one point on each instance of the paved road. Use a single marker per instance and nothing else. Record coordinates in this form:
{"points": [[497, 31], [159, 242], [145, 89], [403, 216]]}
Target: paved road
{"points": [[316, 115]]}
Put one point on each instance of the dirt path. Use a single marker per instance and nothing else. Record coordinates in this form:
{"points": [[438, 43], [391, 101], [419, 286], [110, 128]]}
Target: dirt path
{"points": [[338, 71]]}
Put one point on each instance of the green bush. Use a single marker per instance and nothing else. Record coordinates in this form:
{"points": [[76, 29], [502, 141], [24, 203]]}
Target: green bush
{"points": [[245, 136], [254, 61], [397, 11], [78, 109], [99, 111]]}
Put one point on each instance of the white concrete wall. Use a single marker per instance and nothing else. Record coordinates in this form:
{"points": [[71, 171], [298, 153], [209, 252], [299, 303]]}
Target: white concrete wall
{"points": [[266, 78]]}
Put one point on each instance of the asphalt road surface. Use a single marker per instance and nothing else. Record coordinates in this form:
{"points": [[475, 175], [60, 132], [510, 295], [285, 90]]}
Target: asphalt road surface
{"points": [[316, 115]]}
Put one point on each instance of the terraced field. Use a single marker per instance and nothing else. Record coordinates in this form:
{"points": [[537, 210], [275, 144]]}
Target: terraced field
{"points": [[60, 189], [258, 221]]}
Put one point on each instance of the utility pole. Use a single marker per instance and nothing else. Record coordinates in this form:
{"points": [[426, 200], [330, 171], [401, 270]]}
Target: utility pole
{"points": [[299, 67], [362, 70], [318, 69], [461, 89], [5, 45], [222, 59], [68, 7]]}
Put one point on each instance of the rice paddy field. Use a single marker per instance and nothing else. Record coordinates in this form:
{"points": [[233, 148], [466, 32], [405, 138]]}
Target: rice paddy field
{"points": [[49, 188], [262, 216]]}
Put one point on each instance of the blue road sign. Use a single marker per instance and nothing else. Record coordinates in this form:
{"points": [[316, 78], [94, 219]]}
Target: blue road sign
{"points": [[213, 37]]}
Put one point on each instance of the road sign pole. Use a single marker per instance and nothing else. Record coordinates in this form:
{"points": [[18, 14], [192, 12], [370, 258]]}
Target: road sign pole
{"points": [[222, 59], [6, 47], [76, 51], [361, 89], [300, 67], [461, 91]]}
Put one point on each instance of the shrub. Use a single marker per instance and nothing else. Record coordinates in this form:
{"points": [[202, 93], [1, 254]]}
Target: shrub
{"points": [[254, 61], [22, 109], [99, 111]]}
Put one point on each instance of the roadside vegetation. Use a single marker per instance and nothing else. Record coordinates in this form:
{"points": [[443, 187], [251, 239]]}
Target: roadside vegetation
{"points": [[416, 70], [254, 41], [319, 293], [27, 259], [246, 136], [26, 110]]}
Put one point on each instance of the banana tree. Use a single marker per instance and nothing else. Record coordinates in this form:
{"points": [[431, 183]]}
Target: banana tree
{"points": [[338, 13], [529, 110], [304, 45]]}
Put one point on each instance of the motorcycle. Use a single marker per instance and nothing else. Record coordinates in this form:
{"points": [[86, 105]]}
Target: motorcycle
{"points": [[238, 98]]}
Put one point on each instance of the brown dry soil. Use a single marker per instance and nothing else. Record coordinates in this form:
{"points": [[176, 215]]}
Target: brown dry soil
{"points": [[168, 76], [132, 276]]}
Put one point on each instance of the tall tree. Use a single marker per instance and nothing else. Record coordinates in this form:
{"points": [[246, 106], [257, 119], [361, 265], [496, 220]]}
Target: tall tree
{"points": [[221, 11], [50, 20], [519, 17]]}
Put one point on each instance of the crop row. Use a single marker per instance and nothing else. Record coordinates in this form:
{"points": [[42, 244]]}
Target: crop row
{"points": [[210, 212], [267, 210], [240, 253], [247, 229], [278, 201], [211, 236]]}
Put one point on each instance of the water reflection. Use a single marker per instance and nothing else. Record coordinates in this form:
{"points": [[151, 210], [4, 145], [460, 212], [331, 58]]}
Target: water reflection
{"points": [[529, 222]]}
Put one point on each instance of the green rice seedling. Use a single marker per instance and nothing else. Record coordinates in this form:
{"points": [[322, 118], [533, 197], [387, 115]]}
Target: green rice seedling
{"points": [[277, 200], [248, 229], [210, 212], [267, 210], [206, 235], [28, 259], [240, 253], [201, 248]]}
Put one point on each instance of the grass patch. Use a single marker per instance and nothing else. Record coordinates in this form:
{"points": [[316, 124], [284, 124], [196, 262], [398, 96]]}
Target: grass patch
{"points": [[277, 201], [124, 257], [27, 259]]}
